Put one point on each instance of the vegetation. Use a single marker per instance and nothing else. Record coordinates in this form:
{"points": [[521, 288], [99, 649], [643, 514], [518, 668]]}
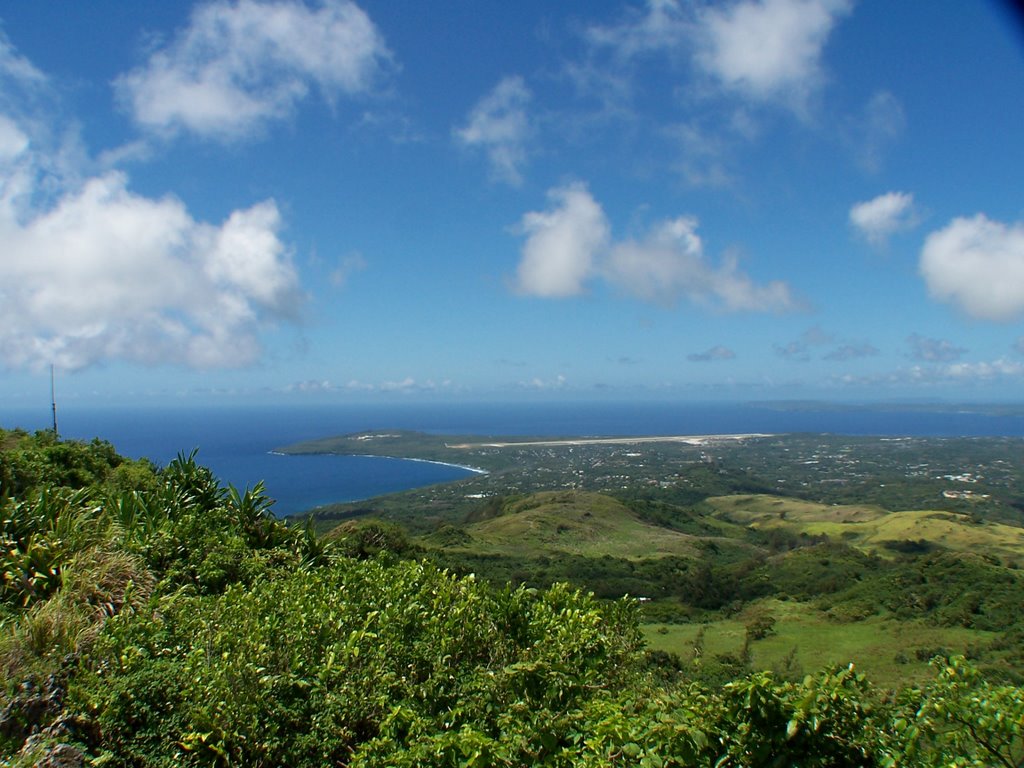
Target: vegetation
{"points": [[151, 617], [855, 532]]}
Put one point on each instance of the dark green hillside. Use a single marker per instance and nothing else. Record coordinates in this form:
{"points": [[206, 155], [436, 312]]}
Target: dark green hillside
{"points": [[152, 618]]}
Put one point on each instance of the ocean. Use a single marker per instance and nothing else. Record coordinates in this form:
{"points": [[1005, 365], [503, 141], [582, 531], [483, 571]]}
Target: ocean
{"points": [[236, 442]]}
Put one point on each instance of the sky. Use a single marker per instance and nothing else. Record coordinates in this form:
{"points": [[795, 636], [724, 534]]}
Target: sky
{"points": [[330, 201]]}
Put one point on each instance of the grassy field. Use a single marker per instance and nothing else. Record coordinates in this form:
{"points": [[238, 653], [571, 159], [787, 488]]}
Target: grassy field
{"points": [[587, 524], [891, 653], [871, 528]]}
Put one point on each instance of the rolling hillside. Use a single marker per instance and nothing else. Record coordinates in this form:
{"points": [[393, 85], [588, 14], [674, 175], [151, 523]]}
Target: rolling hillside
{"points": [[587, 524], [872, 528]]}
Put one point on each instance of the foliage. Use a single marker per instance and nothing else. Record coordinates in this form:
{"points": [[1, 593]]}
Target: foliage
{"points": [[960, 719], [155, 618], [367, 538], [303, 668], [32, 462]]}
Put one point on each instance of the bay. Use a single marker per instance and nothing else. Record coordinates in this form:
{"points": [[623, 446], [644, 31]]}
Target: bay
{"points": [[237, 442]]}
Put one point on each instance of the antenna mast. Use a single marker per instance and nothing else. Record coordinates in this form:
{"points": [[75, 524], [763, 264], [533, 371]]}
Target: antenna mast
{"points": [[53, 401]]}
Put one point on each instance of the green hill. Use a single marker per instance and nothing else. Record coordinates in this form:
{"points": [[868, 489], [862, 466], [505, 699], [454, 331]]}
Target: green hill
{"points": [[588, 524], [872, 528]]}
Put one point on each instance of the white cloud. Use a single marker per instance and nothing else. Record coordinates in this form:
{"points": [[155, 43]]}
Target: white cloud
{"points": [[983, 370], [883, 122], [559, 382], [13, 142], [410, 385], [311, 386], [562, 243], [570, 244], [662, 25], [768, 49], [978, 265], [670, 264], [960, 374], [93, 272], [499, 125], [109, 275], [239, 65], [883, 216], [933, 350], [17, 68]]}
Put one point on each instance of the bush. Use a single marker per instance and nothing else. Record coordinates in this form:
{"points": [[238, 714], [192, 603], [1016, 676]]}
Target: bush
{"points": [[303, 669]]}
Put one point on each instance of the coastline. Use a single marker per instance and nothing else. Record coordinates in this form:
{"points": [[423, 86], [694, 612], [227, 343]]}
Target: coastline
{"points": [[467, 467], [475, 470]]}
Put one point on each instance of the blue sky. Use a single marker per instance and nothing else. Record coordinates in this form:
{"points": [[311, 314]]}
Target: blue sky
{"points": [[328, 201]]}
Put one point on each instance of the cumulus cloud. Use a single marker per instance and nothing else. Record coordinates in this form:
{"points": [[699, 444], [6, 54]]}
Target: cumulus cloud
{"points": [[715, 353], [763, 50], [109, 275], [883, 216], [498, 124], [670, 264], [768, 49], [562, 243], [93, 272], [570, 245], [977, 265], [238, 65], [933, 350]]}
